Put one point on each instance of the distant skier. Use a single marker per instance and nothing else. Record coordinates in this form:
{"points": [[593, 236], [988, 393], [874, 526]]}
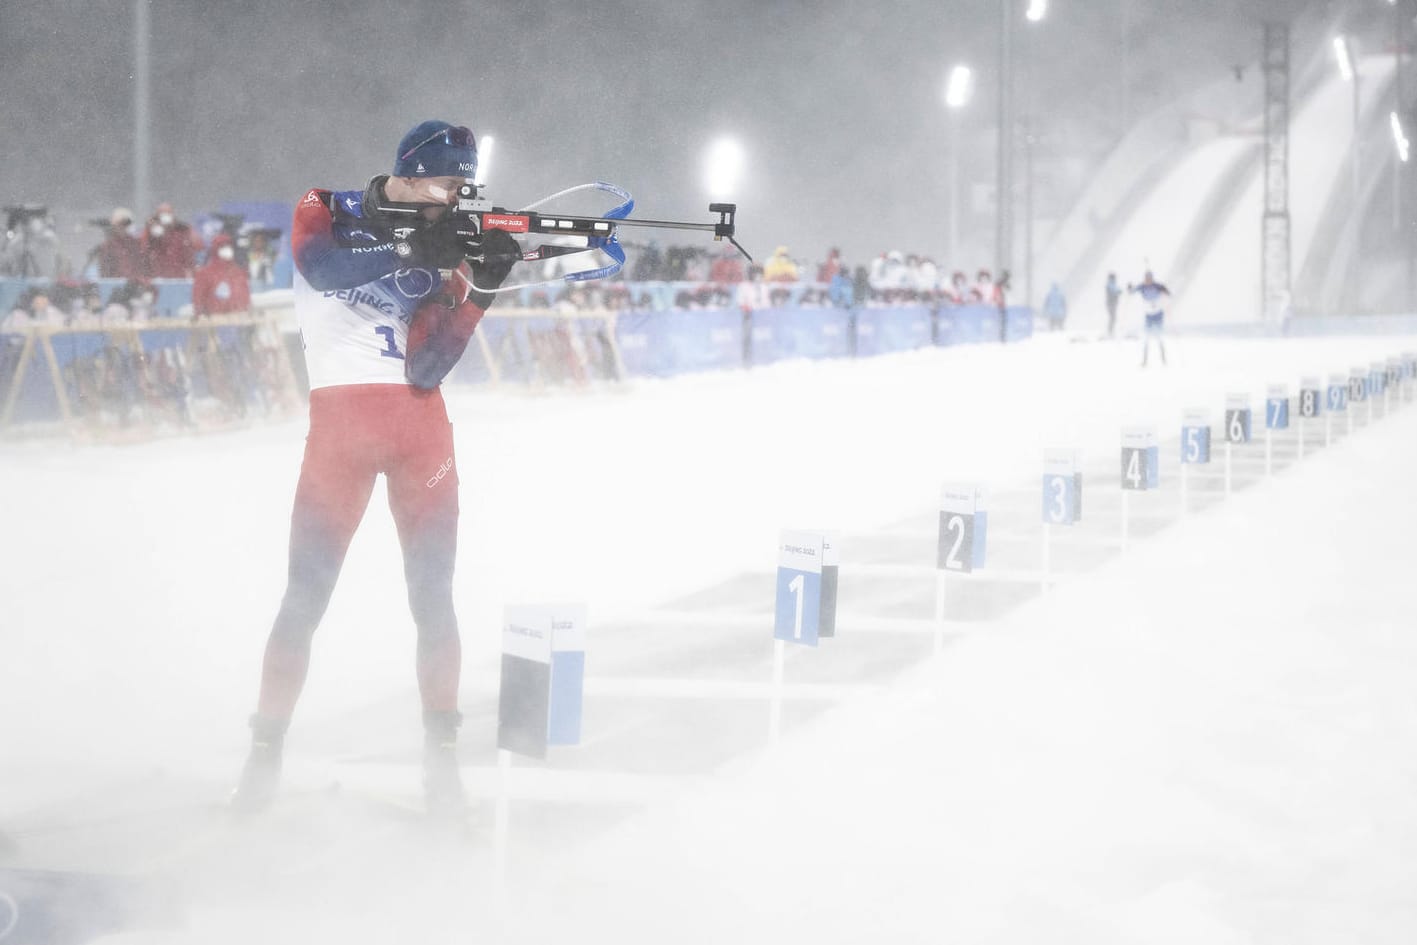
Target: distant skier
{"points": [[1055, 307], [1114, 295], [1152, 292]]}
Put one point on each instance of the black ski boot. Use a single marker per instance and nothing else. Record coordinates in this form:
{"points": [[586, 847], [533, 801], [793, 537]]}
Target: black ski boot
{"points": [[261, 775], [442, 779]]}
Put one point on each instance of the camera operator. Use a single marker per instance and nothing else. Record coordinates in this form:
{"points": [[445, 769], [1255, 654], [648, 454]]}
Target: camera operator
{"points": [[221, 285], [169, 246], [120, 255], [385, 313], [31, 247]]}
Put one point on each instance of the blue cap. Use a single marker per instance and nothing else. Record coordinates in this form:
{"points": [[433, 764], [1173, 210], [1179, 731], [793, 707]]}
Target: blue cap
{"points": [[436, 149]]}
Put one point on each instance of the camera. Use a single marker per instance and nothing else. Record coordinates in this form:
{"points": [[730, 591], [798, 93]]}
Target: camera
{"points": [[16, 217]]}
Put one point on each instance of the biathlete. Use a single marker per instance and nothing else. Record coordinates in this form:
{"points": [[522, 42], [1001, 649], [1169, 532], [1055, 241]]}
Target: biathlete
{"points": [[383, 320]]}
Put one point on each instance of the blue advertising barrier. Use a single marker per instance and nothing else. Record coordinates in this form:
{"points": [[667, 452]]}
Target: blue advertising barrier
{"points": [[783, 333], [658, 344], [883, 330]]}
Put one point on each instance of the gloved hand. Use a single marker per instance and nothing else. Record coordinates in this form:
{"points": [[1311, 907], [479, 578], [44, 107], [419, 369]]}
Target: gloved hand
{"points": [[499, 253], [436, 245]]}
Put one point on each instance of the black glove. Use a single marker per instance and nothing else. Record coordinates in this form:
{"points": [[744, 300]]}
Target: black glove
{"points": [[436, 245], [498, 254]]}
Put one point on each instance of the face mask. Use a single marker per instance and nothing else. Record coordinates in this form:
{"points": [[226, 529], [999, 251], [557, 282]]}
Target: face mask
{"points": [[225, 252], [157, 230], [165, 219]]}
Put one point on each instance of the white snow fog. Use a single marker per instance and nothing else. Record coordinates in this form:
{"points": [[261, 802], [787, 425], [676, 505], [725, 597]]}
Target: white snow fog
{"points": [[907, 582]]}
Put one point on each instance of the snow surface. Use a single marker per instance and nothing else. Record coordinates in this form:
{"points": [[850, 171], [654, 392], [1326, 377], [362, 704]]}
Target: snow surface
{"points": [[1206, 741]]}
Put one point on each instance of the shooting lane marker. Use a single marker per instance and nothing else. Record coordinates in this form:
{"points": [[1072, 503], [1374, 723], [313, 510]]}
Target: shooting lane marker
{"points": [[1140, 472], [539, 700], [798, 607], [1310, 406], [1337, 403], [1062, 501], [1276, 417], [964, 522], [1195, 446], [1358, 392], [1237, 428]]}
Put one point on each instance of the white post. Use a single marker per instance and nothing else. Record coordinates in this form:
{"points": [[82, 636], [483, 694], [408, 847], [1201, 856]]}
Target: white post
{"points": [[1227, 469], [1047, 554], [1268, 452], [1302, 423], [1126, 510], [1371, 398], [779, 658], [939, 611], [1184, 503], [500, 827], [1328, 428]]}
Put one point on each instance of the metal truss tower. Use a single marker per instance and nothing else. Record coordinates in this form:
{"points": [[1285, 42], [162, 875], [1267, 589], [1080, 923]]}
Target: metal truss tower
{"points": [[1275, 252]]}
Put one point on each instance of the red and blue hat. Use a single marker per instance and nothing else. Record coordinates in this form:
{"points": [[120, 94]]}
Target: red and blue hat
{"points": [[437, 149]]}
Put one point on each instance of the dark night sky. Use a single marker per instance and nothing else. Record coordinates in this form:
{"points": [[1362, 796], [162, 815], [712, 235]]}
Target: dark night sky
{"points": [[837, 103]]}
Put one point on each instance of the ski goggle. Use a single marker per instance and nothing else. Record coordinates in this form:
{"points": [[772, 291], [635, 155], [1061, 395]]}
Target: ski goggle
{"points": [[456, 136]]}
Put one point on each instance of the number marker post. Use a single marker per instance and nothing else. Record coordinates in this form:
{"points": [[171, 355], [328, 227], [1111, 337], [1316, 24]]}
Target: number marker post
{"points": [[1276, 417], [1237, 428], [963, 528], [1377, 386], [539, 701], [1392, 382], [1310, 406], [1195, 445], [1140, 469], [797, 614], [1062, 499], [1409, 374], [1358, 392], [1337, 403]]}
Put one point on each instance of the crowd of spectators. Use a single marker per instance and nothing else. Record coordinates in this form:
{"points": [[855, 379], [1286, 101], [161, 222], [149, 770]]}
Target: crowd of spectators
{"points": [[721, 277], [225, 271]]}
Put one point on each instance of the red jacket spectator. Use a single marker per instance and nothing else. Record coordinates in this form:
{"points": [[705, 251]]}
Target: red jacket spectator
{"points": [[220, 285], [120, 255], [169, 246], [827, 270], [728, 267]]}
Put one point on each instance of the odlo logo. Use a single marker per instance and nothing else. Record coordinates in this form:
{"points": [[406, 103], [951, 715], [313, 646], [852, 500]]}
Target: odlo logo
{"points": [[443, 470]]}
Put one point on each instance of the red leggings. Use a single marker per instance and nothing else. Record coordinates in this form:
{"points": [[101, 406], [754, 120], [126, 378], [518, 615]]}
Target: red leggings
{"points": [[357, 432]]}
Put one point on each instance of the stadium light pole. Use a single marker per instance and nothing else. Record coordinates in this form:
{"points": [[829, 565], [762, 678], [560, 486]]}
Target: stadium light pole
{"points": [[1037, 10], [959, 89], [1348, 68], [141, 125], [1004, 168]]}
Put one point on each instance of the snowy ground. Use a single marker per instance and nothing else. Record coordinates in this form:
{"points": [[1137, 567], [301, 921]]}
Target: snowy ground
{"points": [[1203, 741]]}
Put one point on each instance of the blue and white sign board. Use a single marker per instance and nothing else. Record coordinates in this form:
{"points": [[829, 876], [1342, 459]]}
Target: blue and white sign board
{"points": [[1141, 467], [1394, 371], [1377, 378], [1237, 418], [1409, 366], [799, 587], [1195, 436], [1337, 393], [1310, 398], [543, 677], [1276, 408], [1062, 487], [1358, 385], [964, 526]]}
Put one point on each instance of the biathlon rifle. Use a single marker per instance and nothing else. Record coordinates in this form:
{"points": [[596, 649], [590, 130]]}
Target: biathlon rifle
{"points": [[473, 215]]}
